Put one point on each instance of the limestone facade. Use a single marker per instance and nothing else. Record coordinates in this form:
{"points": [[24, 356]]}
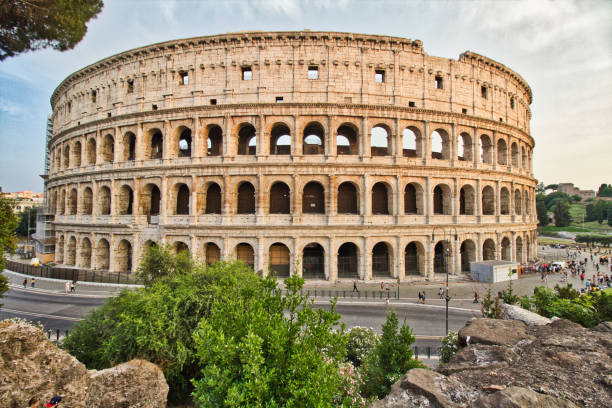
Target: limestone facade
{"points": [[341, 155]]}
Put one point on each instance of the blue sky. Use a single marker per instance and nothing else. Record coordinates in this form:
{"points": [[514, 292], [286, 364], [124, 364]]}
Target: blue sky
{"points": [[563, 49]]}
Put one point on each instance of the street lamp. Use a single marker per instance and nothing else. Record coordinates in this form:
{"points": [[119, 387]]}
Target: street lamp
{"points": [[445, 256]]}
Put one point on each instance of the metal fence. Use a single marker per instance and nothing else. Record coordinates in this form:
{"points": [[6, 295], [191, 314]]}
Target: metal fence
{"points": [[81, 275], [351, 294]]}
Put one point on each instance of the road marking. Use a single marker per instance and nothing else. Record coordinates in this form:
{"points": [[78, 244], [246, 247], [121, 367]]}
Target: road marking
{"points": [[13, 311], [62, 293], [346, 302]]}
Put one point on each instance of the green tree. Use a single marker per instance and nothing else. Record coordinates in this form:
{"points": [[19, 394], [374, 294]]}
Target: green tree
{"points": [[160, 262], [37, 24], [540, 189], [22, 228], [542, 212], [552, 187], [562, 215], [601, 211], [590, 215], [605, 190], [553, 198], [361, 342], [8, 238], [610, 217], [576, 198]]}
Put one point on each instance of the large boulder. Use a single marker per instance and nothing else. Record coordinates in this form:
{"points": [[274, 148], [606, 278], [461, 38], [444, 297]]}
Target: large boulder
{"points": [[33, 370], [494, 331]]}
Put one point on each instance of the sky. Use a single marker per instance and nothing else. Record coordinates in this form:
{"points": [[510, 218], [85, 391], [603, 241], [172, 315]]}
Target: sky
{"points": [[563, 49]]}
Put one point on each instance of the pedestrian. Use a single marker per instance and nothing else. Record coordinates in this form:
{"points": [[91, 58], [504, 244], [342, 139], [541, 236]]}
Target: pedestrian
{"points": [[32, 282], [441, 293], [66, 287], [420, 297], [423, 297], [382, 287], [71, 287], [582, 277], [475, 297], [25, 282], [355, 286]]}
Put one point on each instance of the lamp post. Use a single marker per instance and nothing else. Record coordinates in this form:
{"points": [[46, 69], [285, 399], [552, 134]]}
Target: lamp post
{"points": [[445, 256]]}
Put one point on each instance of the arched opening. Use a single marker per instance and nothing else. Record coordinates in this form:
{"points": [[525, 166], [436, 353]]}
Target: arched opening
{"points": [[523, 158], [71, 252], [414, 254], [348, 199], [346, 140], [67, 157], [123, 260], [108, 149], [91, 152], [502, 152], [280, 198], [468, 254], [440, 145], [348, 261], [103, 255], [466, 200], [104, 200], [464, 147], [85, 253], [380, 260], [313, 258], [519, 249], [129, 146], [279, 260], [527, 248], [244, 253], [411, 142], [515, 155], [182, 199], [214, 141], [504, 198], [87, 201], [380, 199], [62, 204], [212, 253], [313, 198], [518, 202], [280, 140], [441, 200], [527, 203], [76, 154], [72, 202], [486, 149], [213, 199], [155, 149], [379, 141], [246, 198], [314, 139], [150, 199], [441, 257], [488, 201], [146, 246], [126, 200], [488, 250], [505, 249], [184, 142], [247, 141], [59, 250], [413, 199], [58, 159], [180, 247]]}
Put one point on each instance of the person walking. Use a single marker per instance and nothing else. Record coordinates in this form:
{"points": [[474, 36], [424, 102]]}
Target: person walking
{"points": [[25, 283], [475, 297], [72, 287], [355, 286], [32, 282], [420, 297], [66, 287], [441, 293], [423, 297]]}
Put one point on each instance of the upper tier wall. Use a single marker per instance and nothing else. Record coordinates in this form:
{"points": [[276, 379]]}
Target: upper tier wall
{"points": [[207, 70]]}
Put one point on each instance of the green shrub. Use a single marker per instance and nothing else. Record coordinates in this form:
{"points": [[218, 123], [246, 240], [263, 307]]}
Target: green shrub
{"points": [[525, 302], [361, 341], [450, 346], [566, 292], [491, 307]]}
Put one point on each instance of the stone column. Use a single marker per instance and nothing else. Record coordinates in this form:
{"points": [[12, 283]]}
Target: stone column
{"points": [[476, 149], [333, 260], [401, 265], [426, 143], [453, 144], [479, 247]]}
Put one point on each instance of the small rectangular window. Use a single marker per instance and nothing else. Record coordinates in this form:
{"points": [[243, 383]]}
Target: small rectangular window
{"points": [[108, 115], [348, 99], [154, 107], [411, 104], [379, 76], [94, 95], [464, 110], [511, 103], [439, 82], [183, 78], [313, 72], [247, 74], [130, 86], [483, 91], [213, 101], [279, 99], [501, 119], [69, 106]]}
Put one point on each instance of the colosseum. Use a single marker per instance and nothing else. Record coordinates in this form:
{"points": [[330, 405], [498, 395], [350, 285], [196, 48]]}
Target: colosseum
{"points": [[330, 155]]}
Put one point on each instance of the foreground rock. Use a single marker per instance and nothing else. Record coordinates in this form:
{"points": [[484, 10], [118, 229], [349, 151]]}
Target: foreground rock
{"points": [[510, 364], [33, 370]]}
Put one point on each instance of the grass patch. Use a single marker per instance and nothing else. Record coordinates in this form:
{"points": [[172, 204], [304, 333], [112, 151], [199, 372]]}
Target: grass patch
{"points": [[551, 229]]}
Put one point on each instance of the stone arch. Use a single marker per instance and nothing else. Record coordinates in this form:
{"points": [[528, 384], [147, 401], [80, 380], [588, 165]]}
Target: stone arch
{"points": [[467, 200], [62, 204], [213, 200], [502, 152], [71, 251], [246, 198], [313, 261], [313, 198], [244, 253], [488, 250], [72, 202], [280, 198], [468, 254], [413, 199], [53, 203], [412, 142], [414, 259], [183, 141], [348, 198], [214, 141], [382, 253], [108, 149], [518, 202], [91, 152], [279, 259], [280, 139], [380, 141], [313, 141], [104, 200], [179, 247], [442, 200], [58, 159], [488, 201], [87, 201], [146, 246], [527, 203], [212, 253], [183, 198], [381, 199], [123, 256], [102, 254], [85, 253], [76, 154], [515, 154], [523, 158], [441, 253], [59, 250], [125, 200], [464, 147], [348, 261], [129, 146], [347, 139], [504, 201], [440, 145], [247, 140], [486, 149], [154, 147], [150, 199], [505, 249], [66, 157], [519, 249]]}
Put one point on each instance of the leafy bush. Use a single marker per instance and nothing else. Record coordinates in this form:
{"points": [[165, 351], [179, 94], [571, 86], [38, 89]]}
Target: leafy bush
{"points": [[566, 292], [508, 296], [525, 302], [579, 310], [361, 341], [490, 306], [450, 345]]}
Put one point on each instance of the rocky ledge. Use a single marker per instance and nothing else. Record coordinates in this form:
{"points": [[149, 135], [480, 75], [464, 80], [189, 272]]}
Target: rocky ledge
{"points": [[506, 363]]}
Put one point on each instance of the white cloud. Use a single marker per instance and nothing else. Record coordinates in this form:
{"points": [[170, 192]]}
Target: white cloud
{"points": [[11, 108]]}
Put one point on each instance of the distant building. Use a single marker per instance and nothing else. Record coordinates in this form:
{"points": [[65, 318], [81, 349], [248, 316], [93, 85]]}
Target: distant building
{"points": [[25, 199], [570, 189]]}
